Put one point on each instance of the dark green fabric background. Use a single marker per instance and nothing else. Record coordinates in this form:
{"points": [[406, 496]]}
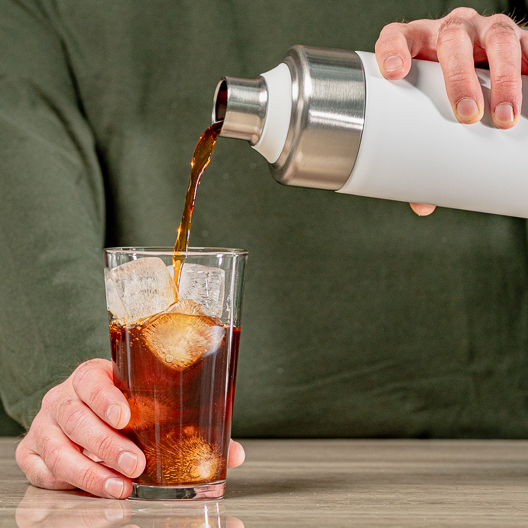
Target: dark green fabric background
{"points": [[360, 319]]}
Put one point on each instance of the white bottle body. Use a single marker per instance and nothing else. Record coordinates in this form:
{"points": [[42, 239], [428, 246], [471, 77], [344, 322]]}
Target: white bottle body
{"points": [[414, 150]]}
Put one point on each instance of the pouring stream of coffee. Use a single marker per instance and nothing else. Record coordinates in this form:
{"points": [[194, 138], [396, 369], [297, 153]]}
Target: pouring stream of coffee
{"points": [[201, 158]]}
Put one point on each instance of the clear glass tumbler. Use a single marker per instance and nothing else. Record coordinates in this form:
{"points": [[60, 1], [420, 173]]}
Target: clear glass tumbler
{"points": [[174, 354]]}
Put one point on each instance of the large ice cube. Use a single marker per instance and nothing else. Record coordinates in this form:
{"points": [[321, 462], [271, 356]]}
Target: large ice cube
{"points": [[180, 340], [183, 458], [204, 285], [138, 289]]}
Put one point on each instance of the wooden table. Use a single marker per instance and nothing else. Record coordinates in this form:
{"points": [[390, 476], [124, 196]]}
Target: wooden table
{"points": [[312, 483]]}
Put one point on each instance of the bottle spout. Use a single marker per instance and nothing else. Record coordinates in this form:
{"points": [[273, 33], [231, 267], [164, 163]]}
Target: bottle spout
{"points": [[241, 105]]}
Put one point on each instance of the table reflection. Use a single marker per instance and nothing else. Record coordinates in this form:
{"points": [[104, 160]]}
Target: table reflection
{"points": [[44, 508]]}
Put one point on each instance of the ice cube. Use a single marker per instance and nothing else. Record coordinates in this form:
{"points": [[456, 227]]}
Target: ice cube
{"points": [[114, 303], [204, 285], [138, 289], [180, 340], [183, 458]]}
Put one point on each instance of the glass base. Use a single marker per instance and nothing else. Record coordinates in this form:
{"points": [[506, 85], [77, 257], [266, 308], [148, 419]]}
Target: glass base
{"points": [[212, 491]]}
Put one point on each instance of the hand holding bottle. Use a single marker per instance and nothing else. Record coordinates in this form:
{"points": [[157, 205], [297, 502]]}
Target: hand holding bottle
{"points": [[458, 41]]}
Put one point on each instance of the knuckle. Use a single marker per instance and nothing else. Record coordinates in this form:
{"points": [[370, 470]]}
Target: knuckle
{"points": [[89, 479], [392, 28], [388, 46], [507, 82], [41, 441], [90, 384], [63, 408], [458, 76], [502, 19], [50, 398], [52, 456], [457, 21], [70, 416], [451, 31], [83, 372], [106, 447], [96, 397], [462, 13], [501, 33], [391, 38], [38, 436], [43, 480]]}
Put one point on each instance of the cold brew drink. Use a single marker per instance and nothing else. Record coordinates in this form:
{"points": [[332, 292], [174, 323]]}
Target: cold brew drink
{"points": [[174, 353]]}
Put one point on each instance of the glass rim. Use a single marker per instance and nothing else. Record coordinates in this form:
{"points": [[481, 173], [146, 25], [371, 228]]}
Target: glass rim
{"points": [[169, 250]]}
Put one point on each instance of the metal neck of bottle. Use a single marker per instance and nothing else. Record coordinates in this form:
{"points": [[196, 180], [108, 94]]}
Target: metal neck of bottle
{"points": [[324, 124], [241, 105]]}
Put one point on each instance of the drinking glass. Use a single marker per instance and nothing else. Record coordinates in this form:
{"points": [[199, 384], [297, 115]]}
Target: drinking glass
{"points": [[174, 355]]}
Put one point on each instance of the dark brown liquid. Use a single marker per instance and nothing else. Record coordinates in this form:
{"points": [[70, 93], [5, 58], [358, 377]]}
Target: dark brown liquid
{"points": [[201, 158], [181, 419]]}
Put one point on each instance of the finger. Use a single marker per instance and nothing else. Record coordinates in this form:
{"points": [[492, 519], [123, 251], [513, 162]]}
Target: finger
{"points": [[422, 209], [66, 463], [92, 382], [393, 51], [505, 57], [86, 429], [455, 53], [399, 43], [236, 454]]}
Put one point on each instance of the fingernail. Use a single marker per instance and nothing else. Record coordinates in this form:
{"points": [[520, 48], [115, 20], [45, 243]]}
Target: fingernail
{"points": [[504, 113], [114, 487], [392, 63], [467, 109], [113, 414], [114, 512], [127, 462]]}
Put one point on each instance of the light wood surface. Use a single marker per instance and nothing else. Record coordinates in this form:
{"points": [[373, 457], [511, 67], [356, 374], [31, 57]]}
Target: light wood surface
{"points": [[312, 483]]}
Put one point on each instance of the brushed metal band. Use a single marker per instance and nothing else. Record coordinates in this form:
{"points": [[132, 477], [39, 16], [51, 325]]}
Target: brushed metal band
{"points": [[328, 116]]}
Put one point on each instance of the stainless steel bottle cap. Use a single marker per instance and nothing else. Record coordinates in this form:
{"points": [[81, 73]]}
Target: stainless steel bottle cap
{"points": [[327, 94]]}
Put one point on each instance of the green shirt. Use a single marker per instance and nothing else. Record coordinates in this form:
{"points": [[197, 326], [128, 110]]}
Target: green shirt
{"points": [[360, 319]]}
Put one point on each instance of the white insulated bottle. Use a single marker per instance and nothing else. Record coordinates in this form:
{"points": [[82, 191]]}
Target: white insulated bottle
{"points": [[327, 119]]}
